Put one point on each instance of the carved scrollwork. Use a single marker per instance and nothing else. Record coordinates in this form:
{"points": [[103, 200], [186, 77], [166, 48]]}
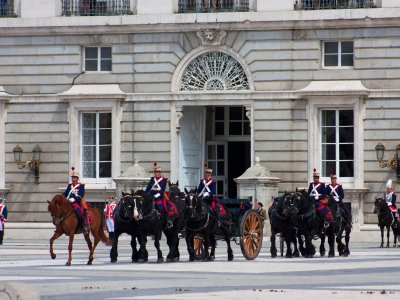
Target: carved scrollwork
{"points": [[211, 36]]}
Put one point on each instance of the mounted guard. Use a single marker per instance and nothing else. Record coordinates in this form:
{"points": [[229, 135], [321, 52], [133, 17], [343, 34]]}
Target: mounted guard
{"points": [[390, 198], [335, 190], [317, 193], [3, 217], [208, 189], [74, 193], [156, 188]]}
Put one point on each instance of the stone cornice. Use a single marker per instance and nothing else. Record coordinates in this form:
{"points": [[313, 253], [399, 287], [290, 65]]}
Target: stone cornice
{"points": [[245, 21]]}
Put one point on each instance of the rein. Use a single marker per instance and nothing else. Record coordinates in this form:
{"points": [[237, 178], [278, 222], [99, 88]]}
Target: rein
{"points": [[58, 219], [202, 227], [152, 210]]}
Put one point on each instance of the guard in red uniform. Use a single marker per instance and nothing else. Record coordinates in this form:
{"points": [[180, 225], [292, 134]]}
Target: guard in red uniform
{"points": [[109, 215], [208, 189], [390, 198]]}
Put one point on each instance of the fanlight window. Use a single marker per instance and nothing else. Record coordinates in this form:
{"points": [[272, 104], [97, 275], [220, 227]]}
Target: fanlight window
{"points": [[214, 71]]}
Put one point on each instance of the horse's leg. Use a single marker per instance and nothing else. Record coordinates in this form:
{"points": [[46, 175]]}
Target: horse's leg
{"points": [[347, 241], [213, 243], [190, 245], [322, 250], [55, 236], [135, 253], [288, 241], [340, 245], [382, 236], [388, 237], [302, 248], [394, 231], [331, 240], [207, 244], [114, 248], [272, 249], [143, 254], [228, 243], [160, 257], [71, 241], [310, 249], [294, 240]]}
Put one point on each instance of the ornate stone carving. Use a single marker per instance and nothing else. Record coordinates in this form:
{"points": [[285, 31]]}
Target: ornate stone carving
{"points": [[211, 36], [214, 71], [178, 118]]}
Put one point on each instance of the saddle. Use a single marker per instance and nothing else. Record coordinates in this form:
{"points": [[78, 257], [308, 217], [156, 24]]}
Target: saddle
{"points": [[170, 207], [221, 208], [82, 208]]}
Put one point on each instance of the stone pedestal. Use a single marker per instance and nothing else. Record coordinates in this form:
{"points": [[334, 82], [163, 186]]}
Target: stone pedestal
{"points": [[356, 198], [133, 179], [258, 183]]}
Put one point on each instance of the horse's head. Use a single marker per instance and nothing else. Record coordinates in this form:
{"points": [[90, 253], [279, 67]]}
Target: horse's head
{"points": [[300, 201], [144, 204], [193, 201], [286, 204], [58, 208], [379, 205], [175, 192], [126, 207]]}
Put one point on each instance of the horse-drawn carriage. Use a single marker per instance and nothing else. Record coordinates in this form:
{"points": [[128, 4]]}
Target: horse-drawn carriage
{"points": [[246, 229]]}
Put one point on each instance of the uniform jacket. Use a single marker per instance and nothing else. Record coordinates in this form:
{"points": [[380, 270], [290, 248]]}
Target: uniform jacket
{"points": [[109, 210], [336, 191], [391, 198], [156, 187], [207, 186], [317, 190], [3, 213], [75, 191]]}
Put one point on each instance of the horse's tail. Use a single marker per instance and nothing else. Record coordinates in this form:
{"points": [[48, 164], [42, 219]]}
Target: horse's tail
{"points": [[102, 235]]}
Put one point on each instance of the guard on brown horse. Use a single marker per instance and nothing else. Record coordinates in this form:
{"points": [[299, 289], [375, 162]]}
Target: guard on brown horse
{"points": [[74, 194], [67, 223]]}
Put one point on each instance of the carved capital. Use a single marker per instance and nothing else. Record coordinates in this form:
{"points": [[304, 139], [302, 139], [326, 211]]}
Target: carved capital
{"points": [[211, 36]]}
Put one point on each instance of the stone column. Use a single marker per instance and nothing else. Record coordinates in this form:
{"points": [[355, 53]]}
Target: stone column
{"points": [[356, 198], [258, 183], [133, 179]]}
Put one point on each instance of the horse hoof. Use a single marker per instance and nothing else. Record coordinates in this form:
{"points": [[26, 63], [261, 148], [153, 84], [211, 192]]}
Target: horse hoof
{"points": [[68, 264], [322, 254], [169, 259], [296, 254], [273, 255], [288, 256], [53, 256], [345, 255], [381, 246], [89, 262], [113, 260], [331, 255], [142, 260], [176, 259], [160, 260], [230, 257]]}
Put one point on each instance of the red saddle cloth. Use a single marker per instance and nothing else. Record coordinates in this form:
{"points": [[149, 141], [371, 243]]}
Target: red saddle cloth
{"points": [[393, 208], [169, 206], [90, 215], [324, 211], [222, 210]]}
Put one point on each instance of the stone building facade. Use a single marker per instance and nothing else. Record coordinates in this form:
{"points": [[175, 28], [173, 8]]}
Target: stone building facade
{"points": [[299, 84]]}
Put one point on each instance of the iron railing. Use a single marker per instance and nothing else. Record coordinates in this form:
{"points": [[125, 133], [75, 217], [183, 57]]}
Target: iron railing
{"points": [[204, 6], [7, 8], [95, 7], [335, 4]]}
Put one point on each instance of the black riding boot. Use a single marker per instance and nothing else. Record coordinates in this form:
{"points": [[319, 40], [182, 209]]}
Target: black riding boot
{"points": [[111, 235], [1, 237], [84, 222]]}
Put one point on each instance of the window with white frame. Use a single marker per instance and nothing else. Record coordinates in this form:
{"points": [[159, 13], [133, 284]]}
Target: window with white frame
{"points": [[98, 59], [96, 145], [338, 54], [337, 142], [237, 122]]}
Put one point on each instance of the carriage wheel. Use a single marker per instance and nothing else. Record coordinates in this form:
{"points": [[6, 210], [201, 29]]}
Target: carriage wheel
{"points": [[251, 231], [199, 252]]}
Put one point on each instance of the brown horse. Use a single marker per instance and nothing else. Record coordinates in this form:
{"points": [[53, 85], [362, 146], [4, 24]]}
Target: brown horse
{"points": [[66, 222]]}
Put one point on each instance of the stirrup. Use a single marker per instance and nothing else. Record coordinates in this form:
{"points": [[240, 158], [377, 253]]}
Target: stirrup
{"points": [[326, 224], [170, 224]]}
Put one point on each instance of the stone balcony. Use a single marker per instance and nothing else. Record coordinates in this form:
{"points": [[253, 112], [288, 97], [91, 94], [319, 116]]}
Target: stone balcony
{"points": [[71, 8]]}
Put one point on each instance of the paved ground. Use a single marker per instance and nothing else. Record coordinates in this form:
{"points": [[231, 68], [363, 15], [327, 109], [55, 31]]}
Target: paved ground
{"points": [[369, 273]]}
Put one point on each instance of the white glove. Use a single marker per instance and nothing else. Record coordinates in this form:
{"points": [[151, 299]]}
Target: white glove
{"points": [[316, 197], [336, 198], [206, 194], [72, 200], [157, 195]]}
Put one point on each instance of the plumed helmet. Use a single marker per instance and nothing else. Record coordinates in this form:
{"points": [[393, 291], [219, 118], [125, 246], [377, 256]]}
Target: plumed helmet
{"points": [[207, 169], [156, 169], [315, 173], [74, 173], [2, 200], [389, 184]]}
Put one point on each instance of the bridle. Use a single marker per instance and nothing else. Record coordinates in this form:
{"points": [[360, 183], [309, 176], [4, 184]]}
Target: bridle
{"points": [[60, 217]]}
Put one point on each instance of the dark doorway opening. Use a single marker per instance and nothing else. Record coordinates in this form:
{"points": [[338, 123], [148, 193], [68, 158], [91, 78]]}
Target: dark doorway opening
{"points": [[238, 163]]}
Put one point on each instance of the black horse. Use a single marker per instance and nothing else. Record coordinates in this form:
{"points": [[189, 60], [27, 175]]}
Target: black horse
{"points": [[202, 220], [283, 222], [177, 200], [385, 220], [311, 225], [342, 225], [124, 223]]}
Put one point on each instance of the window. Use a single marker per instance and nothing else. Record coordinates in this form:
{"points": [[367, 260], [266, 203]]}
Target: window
{"points": [[98, 59], [96, 144], [238, 124], [338, 54], [337, 142]]}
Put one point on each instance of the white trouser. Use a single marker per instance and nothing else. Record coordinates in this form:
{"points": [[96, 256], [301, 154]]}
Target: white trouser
{"points": [[1, 226], [110, 224]]}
